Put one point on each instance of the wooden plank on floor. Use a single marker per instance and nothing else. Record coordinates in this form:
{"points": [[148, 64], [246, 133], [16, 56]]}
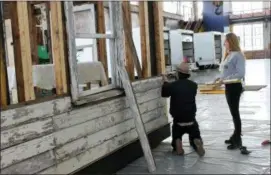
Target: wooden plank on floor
{"points": [[128, 53], [3, 70], [22, 48], [159, 36], [57, 37], [101, 43], [145, 39]]}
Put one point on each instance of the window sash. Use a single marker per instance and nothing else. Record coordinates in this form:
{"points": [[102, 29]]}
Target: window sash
{"points": [[72, 35]]}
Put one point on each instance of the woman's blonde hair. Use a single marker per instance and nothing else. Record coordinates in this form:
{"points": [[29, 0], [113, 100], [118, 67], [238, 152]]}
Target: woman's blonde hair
{"points": [[234, 43]]}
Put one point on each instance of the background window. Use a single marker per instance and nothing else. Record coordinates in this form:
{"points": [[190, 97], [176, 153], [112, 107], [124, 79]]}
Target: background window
{"points": [[246, 7], [251, 36]]}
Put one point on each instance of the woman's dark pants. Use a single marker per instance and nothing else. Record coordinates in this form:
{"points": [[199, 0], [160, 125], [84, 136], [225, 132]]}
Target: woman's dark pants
{"points": [[233, 94]]}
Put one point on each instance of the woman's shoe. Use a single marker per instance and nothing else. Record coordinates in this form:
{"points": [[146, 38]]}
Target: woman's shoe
{"points": [[229, 141], [236, 142]]}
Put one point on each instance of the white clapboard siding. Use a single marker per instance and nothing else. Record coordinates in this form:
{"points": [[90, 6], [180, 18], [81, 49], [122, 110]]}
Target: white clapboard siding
{"points": [[33, 112], [26, 132], [83, 115], [147, 84], [26, 150], [78, 146], [32, 165], [92, 126], [89, 156], [73, 148], [80, 135], [148, 95]]}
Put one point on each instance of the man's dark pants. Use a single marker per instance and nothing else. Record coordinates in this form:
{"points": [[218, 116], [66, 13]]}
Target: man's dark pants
{"points": [[178, 131]]}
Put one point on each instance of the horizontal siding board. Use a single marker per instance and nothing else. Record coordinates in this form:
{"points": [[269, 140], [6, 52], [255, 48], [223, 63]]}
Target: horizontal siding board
{"points": [[84, 143], [86, 114], [148, 95], [69, 134], [82, 115], [93, 154], [147, 84], [32, 165], [152, 104], [15, 117], [26, 132], [74, 148], [72, 133], [26, 150]]}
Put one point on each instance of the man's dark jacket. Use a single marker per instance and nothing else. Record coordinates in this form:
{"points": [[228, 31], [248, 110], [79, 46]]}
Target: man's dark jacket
{"points": [[182, 95]]}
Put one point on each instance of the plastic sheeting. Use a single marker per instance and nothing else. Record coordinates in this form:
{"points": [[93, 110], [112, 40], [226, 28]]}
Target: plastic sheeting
{"points": [[216, 126]]}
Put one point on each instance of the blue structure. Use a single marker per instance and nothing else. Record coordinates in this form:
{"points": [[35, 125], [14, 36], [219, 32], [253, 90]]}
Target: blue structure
{"points": [[214, 18]]}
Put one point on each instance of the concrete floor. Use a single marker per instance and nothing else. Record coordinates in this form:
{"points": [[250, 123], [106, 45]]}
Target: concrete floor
{"points": [[216, 126]]}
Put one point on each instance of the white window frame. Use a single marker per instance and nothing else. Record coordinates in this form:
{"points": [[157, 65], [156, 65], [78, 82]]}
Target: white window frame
{"points": [[72, 35], [87, 8]]}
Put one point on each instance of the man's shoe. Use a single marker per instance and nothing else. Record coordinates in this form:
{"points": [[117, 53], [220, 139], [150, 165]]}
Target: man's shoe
{"points": [[179, 147], [200, 150]]}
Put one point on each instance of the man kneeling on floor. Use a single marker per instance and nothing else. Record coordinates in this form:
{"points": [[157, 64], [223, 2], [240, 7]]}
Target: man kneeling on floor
{"points": [[183, 109]]}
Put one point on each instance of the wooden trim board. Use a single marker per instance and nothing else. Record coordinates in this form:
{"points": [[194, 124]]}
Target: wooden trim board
{"points": [[22, 48], [144, 39], [129, 64]]}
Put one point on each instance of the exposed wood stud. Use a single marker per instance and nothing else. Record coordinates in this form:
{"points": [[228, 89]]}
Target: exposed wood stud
{"points": [[159, 36], [130, 44], [144, 38], [33, 34], [128, 55], [101, 43], [57, 36], [22, 49], [4, 90]]}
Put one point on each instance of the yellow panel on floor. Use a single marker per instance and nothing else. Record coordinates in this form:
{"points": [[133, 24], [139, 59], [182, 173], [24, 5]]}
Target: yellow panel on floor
{"points": [[222, 91]]}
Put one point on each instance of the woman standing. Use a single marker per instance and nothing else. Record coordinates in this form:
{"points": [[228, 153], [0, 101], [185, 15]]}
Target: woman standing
{"points": [[233, 67]]}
